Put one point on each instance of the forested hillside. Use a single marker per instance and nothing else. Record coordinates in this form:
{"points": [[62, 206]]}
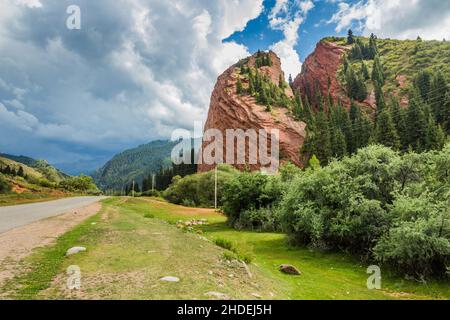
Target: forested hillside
{"points": [[134, 164], [398, 95]]}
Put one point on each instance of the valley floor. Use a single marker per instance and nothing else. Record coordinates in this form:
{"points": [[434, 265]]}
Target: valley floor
{"points": [[134, 242]]}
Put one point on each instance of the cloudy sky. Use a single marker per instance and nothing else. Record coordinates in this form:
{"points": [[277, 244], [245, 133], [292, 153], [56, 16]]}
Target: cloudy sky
{"points": [[137, 69]]}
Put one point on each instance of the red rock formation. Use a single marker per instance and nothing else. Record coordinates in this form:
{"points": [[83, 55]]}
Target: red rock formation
{"points": [[319, 72], [231, 111]]}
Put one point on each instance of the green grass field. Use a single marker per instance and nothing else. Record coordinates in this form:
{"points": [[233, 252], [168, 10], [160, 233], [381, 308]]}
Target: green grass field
{"points": [[132, 243]]}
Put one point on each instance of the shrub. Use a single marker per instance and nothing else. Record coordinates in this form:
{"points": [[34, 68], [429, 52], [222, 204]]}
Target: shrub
{"points": [[4, 186], [418, 248], [262, 219], [378, 204], [247, 191], [151, 193], [81, 183], [198, 190]]}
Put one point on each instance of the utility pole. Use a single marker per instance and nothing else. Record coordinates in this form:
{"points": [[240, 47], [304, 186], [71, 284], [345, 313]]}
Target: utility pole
{"points": [[153, 182], [215, 188], [133, 190]]}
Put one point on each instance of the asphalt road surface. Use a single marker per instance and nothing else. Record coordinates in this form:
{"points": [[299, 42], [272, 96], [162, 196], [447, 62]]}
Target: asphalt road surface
{"points": [[16, 216]]}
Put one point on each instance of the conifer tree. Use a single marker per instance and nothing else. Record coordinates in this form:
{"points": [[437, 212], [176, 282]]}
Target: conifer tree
{"points": [[377, 72], [438, 97], [386, 133], [339, 144], [416, 123], [423, 84], [399, 118], [239, 88], [350, 37], [364, 71], [435, 136], [373, 49]]}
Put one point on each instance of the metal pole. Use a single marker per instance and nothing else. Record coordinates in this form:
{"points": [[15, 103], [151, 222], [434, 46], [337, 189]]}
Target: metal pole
{"points": [[153, 182], [133, 190], [215, 188]]}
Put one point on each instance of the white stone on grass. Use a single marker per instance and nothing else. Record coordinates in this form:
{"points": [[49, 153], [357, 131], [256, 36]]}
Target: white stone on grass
{"points": [[75, 250], [170, 279]]}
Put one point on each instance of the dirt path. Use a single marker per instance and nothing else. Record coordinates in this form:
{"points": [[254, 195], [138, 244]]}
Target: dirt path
{"points": [[18, 243]]}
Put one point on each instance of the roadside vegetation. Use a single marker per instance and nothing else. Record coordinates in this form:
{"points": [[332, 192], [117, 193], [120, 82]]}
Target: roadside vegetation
{"points": [[379, 205], [20, 183], [128, 253]]}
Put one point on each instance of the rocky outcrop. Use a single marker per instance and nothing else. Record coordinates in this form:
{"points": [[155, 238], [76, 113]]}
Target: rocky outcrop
{"points": [[319, 72], [228, 110]]}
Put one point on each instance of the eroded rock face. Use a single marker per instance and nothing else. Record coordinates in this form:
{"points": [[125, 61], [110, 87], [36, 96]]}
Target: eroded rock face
{"points": [[319, 73], [229, 110]]}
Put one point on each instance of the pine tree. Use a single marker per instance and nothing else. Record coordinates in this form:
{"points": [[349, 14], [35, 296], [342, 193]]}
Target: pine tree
{"points": [[20, 172], [423, 83], [373, 49], [323, 139], [377, 72], [291, 82], [386, 133], [239, 88], [438, 97], [364, 71], [379, 100], [350, 37], [416, 123], [339, 144], [435, 136], [399, 118], [356, 87], [281, 82]]}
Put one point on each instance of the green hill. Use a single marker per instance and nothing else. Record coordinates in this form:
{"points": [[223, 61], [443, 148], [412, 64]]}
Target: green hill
{"points": [[41, 167], [133, 164]]}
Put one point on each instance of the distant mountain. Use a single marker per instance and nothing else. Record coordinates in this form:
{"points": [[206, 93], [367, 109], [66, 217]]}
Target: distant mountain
{"points": [[134, 164], [41, 166]]}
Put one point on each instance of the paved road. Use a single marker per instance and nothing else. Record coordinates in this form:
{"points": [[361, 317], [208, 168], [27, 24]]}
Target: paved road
{"points": [[16, 216]]}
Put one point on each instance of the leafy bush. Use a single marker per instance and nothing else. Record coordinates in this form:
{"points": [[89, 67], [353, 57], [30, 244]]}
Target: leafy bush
{"points": [[377, 204], [81, 183], [419, 245], [198, 189], [247, 191], [150, 193], [262, 219], [4, 186]]}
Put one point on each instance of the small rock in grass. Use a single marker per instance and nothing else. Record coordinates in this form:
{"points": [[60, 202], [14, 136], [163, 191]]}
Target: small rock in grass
{"points": [[75, 250], [217, 295], [290, 269], [210, 272], [93, 223], [256, 295], [170, 279]]}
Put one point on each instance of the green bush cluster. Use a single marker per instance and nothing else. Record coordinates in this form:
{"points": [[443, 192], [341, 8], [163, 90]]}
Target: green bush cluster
{"points": [[81, 183], [379, 204], [4, 186], [198, 190]]}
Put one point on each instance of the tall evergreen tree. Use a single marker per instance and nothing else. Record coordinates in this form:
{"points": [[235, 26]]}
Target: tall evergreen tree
{"points": [[350, 37], [438, 97], [373, 49], [379, 100], [423, 84], [386, 133], [399, 118], [239, 88], [339, 144], [377, 72], [364, 71], [416, 123]]}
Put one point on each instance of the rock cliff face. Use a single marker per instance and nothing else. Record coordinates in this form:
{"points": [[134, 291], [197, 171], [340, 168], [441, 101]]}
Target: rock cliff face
{"points": [[319, 73], [228, 110]]}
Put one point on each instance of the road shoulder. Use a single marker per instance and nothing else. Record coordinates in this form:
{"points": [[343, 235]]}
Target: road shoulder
{"points": [[18, 243]]}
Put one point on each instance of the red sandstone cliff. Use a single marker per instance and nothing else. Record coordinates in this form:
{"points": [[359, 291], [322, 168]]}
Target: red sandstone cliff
{"points": [[229, 110], [319, 72]]}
